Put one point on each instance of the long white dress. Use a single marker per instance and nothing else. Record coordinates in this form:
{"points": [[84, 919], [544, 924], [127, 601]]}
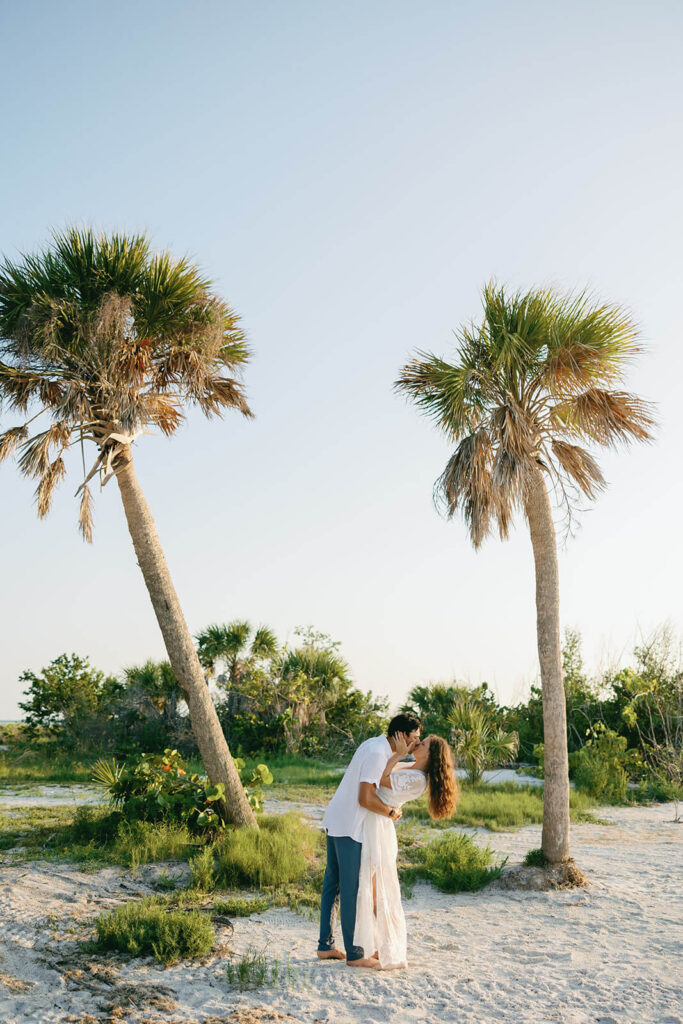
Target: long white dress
{"points": [[386, 932]]}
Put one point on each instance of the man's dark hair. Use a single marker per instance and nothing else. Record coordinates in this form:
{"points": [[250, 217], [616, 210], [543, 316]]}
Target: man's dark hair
{"points": [[403, 723]]}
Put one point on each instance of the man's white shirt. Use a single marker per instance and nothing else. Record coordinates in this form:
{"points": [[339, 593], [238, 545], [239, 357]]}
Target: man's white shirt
{"points": [[344, 815]]}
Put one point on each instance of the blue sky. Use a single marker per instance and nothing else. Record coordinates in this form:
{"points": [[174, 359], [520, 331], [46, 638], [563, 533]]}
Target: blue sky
{"points": [[350, 175]]}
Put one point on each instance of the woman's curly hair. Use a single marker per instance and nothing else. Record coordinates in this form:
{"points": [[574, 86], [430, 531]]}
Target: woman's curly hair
{"points": [[442, 785]]}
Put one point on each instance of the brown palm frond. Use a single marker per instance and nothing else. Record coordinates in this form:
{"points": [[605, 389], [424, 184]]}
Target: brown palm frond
{"points": [[35, 455], [161, 409], [580, 466], [221, 393], [606, 417], [19, 386], [515, 430], [10, 439], [466, 484], [85, 515], [51, 476]]}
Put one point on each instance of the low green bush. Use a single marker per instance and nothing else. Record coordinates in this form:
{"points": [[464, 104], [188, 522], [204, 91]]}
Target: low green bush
{"points": [[156, 787], [535, 859], [277, 853], [453, 863], [598, 768], [144, 928]]}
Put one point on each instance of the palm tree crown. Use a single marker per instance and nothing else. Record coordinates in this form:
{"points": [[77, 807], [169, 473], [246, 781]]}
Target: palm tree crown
{"points": [[230, 643], [107, 338], [534, 383]]}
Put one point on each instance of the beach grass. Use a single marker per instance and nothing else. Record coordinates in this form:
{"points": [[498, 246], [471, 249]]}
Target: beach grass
{"points": [[499, 807], [146, 928]]}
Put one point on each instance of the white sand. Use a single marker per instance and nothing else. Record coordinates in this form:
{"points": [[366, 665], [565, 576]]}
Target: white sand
{"points": [[606, 955]]}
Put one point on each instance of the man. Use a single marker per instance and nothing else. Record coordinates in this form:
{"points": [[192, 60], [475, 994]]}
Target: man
{"points": [[355, 797]]}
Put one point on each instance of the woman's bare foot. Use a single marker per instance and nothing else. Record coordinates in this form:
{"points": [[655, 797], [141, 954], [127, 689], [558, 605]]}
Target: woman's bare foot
{"points": [[331, 954], [366, 961]]}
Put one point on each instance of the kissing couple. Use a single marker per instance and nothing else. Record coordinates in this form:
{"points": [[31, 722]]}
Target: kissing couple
{"points": [[361, 874]]}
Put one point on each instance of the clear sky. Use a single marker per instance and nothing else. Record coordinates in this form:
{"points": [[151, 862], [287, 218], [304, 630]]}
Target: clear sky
{"points": [[350, 174]]}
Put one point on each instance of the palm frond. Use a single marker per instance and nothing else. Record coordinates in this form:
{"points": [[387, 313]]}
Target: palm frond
{"points": [[85, 523], [580, 466], [10, 439], [606, 417], [50, 477], [450, 395]]}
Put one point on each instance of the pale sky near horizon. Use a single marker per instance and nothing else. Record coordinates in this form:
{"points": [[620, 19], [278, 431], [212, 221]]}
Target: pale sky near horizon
{"points": [[350, 175]]}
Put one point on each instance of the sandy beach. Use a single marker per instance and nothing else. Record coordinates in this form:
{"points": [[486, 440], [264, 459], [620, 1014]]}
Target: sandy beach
{"points": [[609, 954]]}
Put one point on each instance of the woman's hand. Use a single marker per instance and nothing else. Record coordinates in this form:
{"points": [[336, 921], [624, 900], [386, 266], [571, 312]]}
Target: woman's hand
{"points": [[402, 745]]}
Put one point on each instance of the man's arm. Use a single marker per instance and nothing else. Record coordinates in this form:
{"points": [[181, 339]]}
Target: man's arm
{"points": [[367, 797]]}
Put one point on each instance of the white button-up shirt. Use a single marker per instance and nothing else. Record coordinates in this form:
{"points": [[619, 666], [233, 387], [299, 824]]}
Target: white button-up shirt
{"points": [[344, 815]]}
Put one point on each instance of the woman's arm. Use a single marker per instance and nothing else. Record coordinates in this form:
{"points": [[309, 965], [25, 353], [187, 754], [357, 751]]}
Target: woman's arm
{"points": [[402, 748]]}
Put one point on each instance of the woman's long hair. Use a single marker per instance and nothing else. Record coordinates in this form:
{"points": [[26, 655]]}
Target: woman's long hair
{"points": [[442, 785]]}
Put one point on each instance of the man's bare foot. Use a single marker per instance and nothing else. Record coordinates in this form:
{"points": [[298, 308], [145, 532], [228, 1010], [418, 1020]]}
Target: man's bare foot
{"points": [[331, 954], [366, 961]]}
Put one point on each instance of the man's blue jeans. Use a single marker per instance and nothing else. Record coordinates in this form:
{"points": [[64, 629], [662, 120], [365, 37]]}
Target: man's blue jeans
{"points": [[340, 886]]}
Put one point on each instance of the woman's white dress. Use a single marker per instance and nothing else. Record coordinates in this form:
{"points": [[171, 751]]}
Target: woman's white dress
{"points": [[386, 932]]}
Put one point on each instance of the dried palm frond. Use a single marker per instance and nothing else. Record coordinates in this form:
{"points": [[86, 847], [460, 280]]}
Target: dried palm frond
{"points": [[10, 439], [85, 523], [50, 477], [608, 417], [580, 466]]}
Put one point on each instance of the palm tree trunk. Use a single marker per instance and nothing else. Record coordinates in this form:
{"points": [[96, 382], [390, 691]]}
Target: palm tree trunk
{"points": [[555, 839], [212, 745]]}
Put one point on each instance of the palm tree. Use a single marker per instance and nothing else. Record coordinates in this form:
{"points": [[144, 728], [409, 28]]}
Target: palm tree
{"points": [[230, 644], [105, 338], [533, 383]]}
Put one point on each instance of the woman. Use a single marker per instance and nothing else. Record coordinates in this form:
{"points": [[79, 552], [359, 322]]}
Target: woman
{"points": [[380, 924]]}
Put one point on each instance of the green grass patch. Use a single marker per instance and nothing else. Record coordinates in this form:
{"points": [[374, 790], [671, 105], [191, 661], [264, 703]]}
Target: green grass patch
{"points": [[500, 807], [43, 763], [253, 970], [453, 863], [144, 928], [282, 850], [241, 906], [91, 836]]}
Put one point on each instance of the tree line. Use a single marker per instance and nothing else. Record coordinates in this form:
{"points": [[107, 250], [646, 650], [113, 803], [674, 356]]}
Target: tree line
{"points": [[624, 727]]}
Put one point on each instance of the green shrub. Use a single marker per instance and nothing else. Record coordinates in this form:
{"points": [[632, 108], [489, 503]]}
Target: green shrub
{"points": [[598, 767], [453, 863], [143, 928], [535, 859], [277, 853], [156, 787]]}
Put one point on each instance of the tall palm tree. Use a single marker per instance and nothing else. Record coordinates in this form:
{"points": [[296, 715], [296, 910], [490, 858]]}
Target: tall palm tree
{"points": [[533, 384], [104, 338], [230, 644]]}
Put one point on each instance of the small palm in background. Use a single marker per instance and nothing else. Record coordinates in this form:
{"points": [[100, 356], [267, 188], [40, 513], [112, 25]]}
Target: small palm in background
{"points": [[479, 743], [238, 645]]}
